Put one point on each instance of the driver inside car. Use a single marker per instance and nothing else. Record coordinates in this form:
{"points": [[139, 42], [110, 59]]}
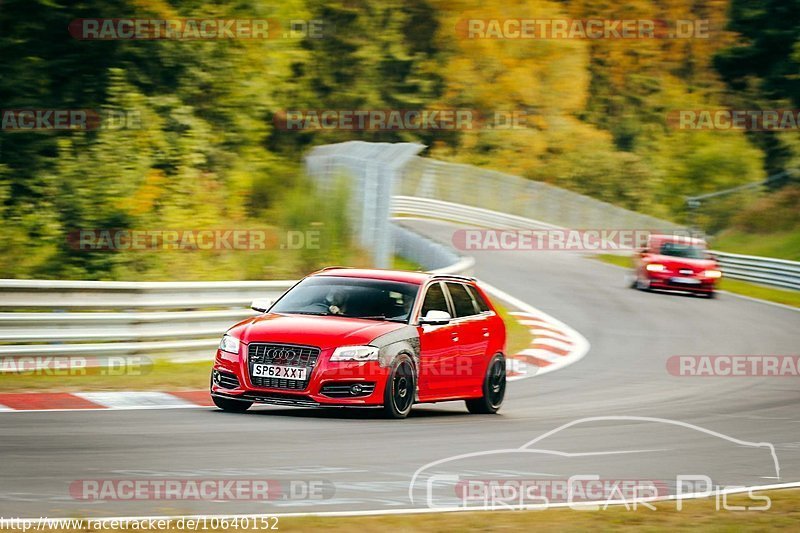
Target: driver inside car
{"points": [[336, 300]]}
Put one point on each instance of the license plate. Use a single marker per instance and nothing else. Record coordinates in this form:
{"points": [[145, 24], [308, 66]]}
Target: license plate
{"points": [[686, 281], [282, 372]]}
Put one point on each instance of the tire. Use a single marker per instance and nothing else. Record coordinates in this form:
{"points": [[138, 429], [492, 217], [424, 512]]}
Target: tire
{"points": [[711, 295], [494, 389], [231, 405], [400, 389]]}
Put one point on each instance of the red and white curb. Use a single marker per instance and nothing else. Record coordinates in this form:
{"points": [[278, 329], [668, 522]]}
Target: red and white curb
{"points": [[125, 400], [554, 346]]}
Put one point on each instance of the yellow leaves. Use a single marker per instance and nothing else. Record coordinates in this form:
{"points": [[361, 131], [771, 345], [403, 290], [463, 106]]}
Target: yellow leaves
{"points": [[146, 195], [160, 8]]}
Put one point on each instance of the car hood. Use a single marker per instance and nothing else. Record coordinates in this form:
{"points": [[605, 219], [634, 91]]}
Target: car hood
{"points": [[322, 331]]}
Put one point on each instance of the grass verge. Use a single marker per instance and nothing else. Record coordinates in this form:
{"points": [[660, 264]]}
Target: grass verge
{"points": [[161, 375], [781, 245], [735, 286]]}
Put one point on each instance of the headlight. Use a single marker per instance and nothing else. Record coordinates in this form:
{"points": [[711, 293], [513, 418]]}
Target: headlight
{"points": [[712, 274], [229, 344], [355, 353], [655, 267]]}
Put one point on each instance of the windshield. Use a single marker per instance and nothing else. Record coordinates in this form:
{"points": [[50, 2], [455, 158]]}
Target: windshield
{"points": [[682, 250], [349, 297]]}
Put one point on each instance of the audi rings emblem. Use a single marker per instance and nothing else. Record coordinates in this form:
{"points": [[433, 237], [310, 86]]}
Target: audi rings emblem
{"points": [[284, 354]]}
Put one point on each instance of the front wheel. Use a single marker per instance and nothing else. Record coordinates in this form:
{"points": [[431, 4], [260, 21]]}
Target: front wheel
{"points": [[400, 389], [231, 405], [494, 389]]}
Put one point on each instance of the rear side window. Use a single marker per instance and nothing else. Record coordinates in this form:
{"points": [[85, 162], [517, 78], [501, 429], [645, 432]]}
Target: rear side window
{"points": [[462, 300], [434, 300], [479, 301]]}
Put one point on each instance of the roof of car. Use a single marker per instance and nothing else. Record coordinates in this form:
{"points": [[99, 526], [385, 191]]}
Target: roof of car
{"points": [[376, 273]]}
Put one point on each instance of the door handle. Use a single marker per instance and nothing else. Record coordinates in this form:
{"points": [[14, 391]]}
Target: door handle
{"points": [[485, 332], [455, 337]]}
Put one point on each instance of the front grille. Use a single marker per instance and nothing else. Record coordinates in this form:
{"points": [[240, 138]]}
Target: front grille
{"points": [[282, 355], [345, 389]]}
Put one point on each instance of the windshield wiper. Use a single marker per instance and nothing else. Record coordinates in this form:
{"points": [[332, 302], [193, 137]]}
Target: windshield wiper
{"points": [[380, 317]]}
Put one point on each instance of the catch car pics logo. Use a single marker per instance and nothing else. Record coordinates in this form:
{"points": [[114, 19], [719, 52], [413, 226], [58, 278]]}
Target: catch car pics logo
{"points": [[498, 478], [194, 29]]}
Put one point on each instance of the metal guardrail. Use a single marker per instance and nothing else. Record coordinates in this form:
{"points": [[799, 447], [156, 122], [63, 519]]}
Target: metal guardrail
{"points": [[763, 270], [182, 321]]}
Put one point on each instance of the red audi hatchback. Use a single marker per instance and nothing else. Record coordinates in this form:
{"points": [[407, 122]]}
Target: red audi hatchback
{"points": [[366, 338]]}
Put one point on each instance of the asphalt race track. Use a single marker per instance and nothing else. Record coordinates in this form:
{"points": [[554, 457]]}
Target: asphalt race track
{"points": [[365, 462]]}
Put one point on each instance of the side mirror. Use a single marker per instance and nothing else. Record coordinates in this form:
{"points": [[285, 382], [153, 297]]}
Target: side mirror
{"points": [[261, 305], [642, 251], [436, 318]]}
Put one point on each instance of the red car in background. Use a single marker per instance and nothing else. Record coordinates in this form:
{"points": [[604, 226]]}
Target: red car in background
{"points": [[674, 262], [366, 338]]}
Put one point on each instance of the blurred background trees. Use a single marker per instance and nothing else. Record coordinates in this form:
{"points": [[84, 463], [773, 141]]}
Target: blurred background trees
{"points": [[208, 154]]}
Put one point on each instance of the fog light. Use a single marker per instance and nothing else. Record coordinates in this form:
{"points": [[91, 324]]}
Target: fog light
{"points": [[215, 377], [356, 389]]}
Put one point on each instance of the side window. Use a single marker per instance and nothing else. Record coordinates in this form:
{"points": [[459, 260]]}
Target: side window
{"points": [[462, 301], [479, 301], [434, 300]]}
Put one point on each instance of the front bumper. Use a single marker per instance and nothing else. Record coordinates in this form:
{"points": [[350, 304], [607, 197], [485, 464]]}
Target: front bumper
{"points": [[330, 383], [669, 281]]}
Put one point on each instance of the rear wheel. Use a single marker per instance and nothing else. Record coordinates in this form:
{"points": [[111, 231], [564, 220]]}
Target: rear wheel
{"points": [[494, 389], [231, 405], [400, 389]]}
